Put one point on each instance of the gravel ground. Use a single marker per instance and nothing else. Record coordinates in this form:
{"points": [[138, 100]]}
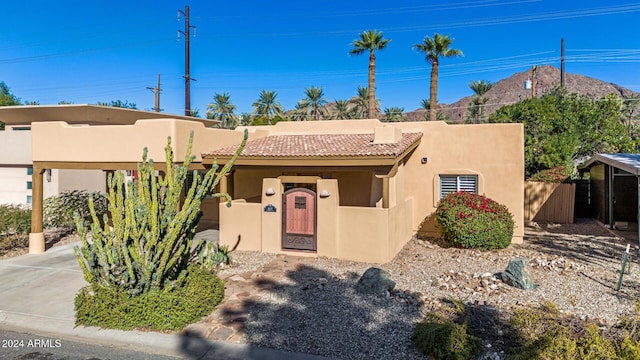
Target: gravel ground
{"points": [[315, 309]]}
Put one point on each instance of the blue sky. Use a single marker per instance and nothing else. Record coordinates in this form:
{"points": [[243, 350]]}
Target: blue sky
{"points": [[90, 51]]}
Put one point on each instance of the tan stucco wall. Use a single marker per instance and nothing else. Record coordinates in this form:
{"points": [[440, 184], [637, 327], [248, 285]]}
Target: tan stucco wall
{"points": [[495, 152], [247, 183], [355, 187], [328, 225], [242, 225], [124, 143]]}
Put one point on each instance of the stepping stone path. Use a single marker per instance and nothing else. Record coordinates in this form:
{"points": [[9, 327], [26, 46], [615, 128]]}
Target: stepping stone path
{"points": [[227, 321]]}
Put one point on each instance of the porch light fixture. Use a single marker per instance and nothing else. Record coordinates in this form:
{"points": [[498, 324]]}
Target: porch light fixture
{"points": [[270, 192], [324, 194]]}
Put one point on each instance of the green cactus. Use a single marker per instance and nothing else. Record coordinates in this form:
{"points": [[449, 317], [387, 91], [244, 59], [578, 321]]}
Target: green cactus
{"points": [[148, 243]]}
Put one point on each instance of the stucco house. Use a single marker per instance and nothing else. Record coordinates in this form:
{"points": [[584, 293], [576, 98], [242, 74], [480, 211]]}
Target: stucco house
{"points": [[349, 189]]}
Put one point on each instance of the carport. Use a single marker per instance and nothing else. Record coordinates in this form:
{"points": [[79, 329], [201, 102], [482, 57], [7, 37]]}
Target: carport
{"points": [[614, 187]]}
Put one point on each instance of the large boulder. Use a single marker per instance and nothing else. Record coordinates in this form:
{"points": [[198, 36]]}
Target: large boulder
{"points": [[375, 281], [516, 275]]}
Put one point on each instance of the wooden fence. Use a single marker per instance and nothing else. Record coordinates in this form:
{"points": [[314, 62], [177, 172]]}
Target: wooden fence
{"points": [[549, 203]]}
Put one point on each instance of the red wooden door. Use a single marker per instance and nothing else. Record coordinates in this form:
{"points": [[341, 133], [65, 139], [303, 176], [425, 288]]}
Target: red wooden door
{"points": [[299, 219]]}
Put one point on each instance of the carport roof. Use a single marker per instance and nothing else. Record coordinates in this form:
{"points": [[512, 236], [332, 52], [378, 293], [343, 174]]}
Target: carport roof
{"points": [[84, 114], [627, 162]]}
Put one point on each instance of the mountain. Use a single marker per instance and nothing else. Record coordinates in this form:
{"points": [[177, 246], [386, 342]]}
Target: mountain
{"points": [[511, 90]]}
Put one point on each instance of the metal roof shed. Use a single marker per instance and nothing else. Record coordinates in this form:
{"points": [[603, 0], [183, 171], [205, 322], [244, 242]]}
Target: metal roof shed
{"points": [[615, 186]]}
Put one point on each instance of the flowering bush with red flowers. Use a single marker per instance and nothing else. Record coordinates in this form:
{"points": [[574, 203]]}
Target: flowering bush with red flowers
{"points": [[557, 174], [474, 221]]}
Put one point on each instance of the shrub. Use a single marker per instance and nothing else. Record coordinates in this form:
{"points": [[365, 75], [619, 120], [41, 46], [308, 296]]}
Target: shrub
{"points": [[170, 309], [444, 339], [58, 211], [14, 220], [474, 221], [545, 333], [554, 175]]}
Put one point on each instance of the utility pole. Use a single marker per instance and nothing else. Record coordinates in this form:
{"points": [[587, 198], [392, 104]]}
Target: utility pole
{"points": [[187, 74], [562, 63], [533, 81], [156, 95]]}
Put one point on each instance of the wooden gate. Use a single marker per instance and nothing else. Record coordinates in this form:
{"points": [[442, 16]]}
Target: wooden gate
{"points": [[299, 220]]}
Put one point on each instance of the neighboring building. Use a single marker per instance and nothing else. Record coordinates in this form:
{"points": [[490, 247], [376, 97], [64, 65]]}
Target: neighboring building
{"points": [[16, 171], [614, 183], [350, 189]]}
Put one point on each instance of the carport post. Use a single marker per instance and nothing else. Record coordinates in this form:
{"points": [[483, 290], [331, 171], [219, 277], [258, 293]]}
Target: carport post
{"points": [[36, 237], [638, 211]]}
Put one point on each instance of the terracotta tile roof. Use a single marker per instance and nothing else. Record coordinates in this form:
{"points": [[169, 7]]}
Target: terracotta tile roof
{"points": [[325, 145]]}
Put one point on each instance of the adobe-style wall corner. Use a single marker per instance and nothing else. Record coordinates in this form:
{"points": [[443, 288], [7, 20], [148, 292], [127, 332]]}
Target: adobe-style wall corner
{"points": [[387, 135]]}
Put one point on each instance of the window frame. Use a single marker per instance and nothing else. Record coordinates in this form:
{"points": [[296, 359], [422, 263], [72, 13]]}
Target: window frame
{"points": [[459, 183]]}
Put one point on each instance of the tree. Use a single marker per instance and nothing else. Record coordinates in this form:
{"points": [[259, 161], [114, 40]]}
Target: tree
{"points": [[370, 41], [476, 107], [435, 48], [426, 104], [266, 105], [631, 114], [301, 111], [394, 114], [32, 102], [314, 96], [562, 129], [119, 104], [342, 110], [64, 102], [360, 103], [222, 109], [7, 99]]}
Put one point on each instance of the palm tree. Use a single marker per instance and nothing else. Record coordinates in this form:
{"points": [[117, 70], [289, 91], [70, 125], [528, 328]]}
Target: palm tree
{"points": [[222, 109], [435, 48], [267, 105], [301, 111], [360, 103], [426, 104], [370, 41], [480, 88], [315, 99], [394, 114], [342, 110]]}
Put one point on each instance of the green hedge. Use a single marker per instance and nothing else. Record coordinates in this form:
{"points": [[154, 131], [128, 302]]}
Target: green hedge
{"points": [[474, 221], [112, 307]]}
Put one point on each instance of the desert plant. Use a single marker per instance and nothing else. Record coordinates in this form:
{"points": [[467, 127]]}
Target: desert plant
{"points": [[442, 338], [148, 244], [474, 221], [113, 307], [59, 210], [213, 256]]}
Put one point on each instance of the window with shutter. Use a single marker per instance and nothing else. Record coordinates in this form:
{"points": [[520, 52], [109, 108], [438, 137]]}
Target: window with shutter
{"points": [[453, 183]]}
